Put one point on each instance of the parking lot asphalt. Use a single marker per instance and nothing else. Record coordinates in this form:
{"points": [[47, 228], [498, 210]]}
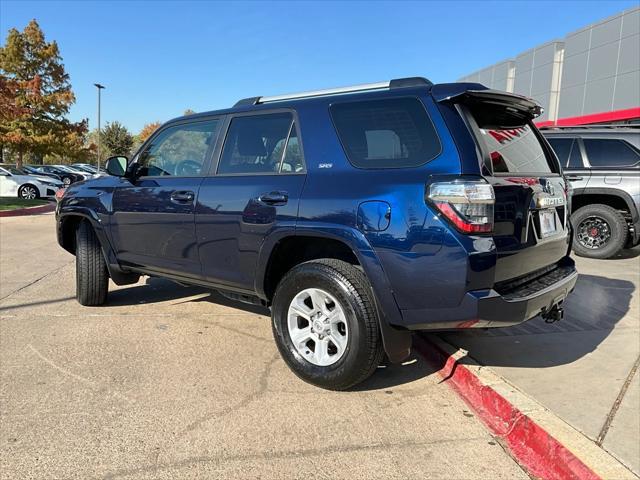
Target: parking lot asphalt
{"points": [[168, 381], [585, 367]]}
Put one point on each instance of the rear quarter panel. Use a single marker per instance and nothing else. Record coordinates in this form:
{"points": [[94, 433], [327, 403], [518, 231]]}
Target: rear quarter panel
{"points": [[423, 261]]}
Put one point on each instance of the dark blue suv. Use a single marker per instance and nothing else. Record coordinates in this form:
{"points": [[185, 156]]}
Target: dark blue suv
{"points": [[358, 215]]}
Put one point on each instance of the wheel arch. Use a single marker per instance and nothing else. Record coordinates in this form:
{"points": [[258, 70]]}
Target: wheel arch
{"points": [[68, 224], [344, 244], [613, 197]]}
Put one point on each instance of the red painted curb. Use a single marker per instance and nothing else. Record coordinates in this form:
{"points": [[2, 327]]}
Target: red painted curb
{"points": [[18, 212], [533, 447]]}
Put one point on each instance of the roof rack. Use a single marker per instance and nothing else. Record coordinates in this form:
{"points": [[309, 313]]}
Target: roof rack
{"points": [[396, 83]]}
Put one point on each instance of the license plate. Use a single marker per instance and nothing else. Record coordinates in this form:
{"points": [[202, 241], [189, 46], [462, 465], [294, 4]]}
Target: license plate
{"points": [[547, 223]]}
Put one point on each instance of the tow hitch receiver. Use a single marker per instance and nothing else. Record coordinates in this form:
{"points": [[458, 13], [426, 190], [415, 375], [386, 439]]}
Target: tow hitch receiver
{"points": [[555, 314]]}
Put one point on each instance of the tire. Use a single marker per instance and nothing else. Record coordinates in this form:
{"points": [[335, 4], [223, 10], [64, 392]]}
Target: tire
{"points": [[599, 231], [28, 192], [346, 291], [67, 181], [92, 277]]}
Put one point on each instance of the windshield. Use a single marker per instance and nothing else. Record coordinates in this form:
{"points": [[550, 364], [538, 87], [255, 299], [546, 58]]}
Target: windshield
{"points": [[64, 168], [85, 168], [14, 170]]}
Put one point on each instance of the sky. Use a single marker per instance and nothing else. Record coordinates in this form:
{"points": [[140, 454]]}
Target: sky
{"points": [[159, 58]]}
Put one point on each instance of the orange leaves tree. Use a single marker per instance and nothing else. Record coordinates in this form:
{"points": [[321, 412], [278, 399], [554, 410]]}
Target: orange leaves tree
{"points": [[35, 97], [147, 131]]}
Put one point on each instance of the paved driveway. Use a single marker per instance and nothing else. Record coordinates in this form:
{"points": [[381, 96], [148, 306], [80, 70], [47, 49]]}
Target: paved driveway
{"points": [[174, 382]]}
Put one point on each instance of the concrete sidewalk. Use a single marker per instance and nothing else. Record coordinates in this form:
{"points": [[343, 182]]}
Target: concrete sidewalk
{"points": [[581, 368], [29, 251]]}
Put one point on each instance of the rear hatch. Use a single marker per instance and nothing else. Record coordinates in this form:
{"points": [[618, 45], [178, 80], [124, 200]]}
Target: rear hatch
{"points": [[531, 227]]}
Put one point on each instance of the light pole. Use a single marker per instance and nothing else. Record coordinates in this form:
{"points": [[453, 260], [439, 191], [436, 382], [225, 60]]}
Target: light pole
{"points": [[99, 87]]}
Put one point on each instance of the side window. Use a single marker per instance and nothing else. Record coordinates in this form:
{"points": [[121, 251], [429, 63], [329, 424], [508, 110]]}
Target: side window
{"points": [[389, 133], [178, 151], [575, 157], [292, 161], [562, 147], [255, 144], [610, 153]]}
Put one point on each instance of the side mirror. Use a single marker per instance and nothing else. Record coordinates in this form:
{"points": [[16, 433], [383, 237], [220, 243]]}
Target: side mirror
{"points": [[116, 166]]}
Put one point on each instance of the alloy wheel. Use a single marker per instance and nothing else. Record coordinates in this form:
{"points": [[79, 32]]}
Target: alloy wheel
{"points": [[318, 327], [593, 232], [28, 192]]}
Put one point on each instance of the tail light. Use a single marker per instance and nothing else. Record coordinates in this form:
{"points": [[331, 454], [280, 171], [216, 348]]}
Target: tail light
{"points": [[60, 193], [466, 204]]}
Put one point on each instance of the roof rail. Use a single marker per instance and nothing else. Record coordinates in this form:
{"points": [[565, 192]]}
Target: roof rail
{"points": [[396, 83]]}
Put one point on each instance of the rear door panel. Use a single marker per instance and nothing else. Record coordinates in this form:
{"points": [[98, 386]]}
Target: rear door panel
{"points": [[238, 205], [232, 222]]}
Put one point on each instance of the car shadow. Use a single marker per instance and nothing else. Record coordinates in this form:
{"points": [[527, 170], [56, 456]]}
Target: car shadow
{"points": [[627, 253], [591, 313], [154, 290], [389, 375]]}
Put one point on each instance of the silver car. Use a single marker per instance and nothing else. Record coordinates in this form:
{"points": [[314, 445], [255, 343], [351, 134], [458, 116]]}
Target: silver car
{"points": [[603, 165]]}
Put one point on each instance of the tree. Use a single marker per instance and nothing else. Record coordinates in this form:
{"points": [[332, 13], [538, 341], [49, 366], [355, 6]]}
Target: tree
{"points": [[34, 83], [9, 109], [188, 111], [148, 130], [117, 139]]}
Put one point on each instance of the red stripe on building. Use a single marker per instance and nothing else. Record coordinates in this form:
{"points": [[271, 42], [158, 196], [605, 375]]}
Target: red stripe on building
{"points": [[603, 117]]}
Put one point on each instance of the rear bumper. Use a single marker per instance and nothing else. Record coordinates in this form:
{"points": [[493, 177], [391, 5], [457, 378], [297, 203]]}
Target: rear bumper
{"points": [[503, 307]]}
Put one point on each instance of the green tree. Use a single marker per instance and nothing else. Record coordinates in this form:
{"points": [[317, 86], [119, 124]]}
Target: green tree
{"points": [[117, 139], [188, 111], [40, 94]]}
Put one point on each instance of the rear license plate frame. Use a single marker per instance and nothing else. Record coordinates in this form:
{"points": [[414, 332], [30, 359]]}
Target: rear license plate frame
{"points": [[548, 223]]}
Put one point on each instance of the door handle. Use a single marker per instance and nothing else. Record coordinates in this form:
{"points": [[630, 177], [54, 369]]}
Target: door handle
{"points": [[182, 197], [573, 178], [274, 198]]}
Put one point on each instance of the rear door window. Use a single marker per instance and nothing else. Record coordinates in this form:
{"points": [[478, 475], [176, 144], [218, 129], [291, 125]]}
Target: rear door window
{"points": [[388, 133], [562, 147], [568, 152], [261, 144], [575, 158], [515, 150], [611, 153]]}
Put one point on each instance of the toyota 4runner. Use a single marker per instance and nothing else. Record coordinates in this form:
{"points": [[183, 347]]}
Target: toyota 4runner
{"points": [[357, 214]]}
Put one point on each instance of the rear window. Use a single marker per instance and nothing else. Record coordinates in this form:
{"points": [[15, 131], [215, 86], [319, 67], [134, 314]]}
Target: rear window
{"points": [[610, 153], [389, 133], [515, 150]]}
